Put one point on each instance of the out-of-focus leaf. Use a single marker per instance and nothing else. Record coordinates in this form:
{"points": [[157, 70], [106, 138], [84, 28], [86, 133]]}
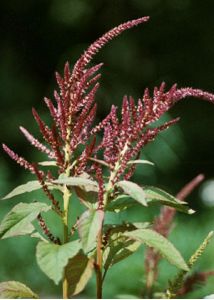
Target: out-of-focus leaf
{"points": [[19, 220], [133, 190], [153, 239], [154, 194], [89, 184], [88, 227], [78, 272], [16, 290], [52, 258], [24, 188]]}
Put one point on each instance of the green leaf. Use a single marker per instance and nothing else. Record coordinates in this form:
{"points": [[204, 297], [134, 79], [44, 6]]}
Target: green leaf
{"points": [[78, 272], [161, 244], [133, 190], [118, 246], [141, 225], [111, 229], [126, 296], [154, 194], [24, 188], [78, 181], [16, 290], [119, 251], [49, 163], [140, 161], [19, 220], [37, 235], [120, 203], [88, 227], [52, 258]]}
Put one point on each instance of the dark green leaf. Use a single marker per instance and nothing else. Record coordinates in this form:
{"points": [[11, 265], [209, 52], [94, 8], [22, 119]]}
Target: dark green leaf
{"points": [[133, 190], [78, 272], [155, 240], [154, 194], [88, 226], [16, 290], [52, 258], [19, 220]]}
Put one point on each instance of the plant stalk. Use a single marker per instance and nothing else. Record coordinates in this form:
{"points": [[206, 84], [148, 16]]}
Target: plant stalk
{"points": [[149, 283], [99, 266], [99, 275], [66, 197]]}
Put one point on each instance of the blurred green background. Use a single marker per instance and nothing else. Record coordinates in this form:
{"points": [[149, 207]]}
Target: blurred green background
{"points": [[176, 45]]}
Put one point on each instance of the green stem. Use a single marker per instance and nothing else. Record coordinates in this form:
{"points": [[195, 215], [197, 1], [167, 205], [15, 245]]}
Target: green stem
{"points": [[99, 266], [149, 283], [114, 174], [99, 275], [66, 198]]}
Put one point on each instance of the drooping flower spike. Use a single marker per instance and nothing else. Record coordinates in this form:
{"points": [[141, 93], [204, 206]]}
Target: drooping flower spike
{"points": [[134, 131], [102, 41]]}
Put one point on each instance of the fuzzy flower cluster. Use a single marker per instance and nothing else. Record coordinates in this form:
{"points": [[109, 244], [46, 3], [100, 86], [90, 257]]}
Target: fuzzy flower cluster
{"points": [[73, 112], [74, 109], [123, 140]]}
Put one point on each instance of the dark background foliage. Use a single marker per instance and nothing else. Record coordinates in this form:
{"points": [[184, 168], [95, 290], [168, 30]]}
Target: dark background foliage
{"points": [[176, 45]]}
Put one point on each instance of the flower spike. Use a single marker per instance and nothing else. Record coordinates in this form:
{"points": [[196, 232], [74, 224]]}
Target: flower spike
{"points": [[190, 92], [98, 44], [20, 160], [36, 143]]}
